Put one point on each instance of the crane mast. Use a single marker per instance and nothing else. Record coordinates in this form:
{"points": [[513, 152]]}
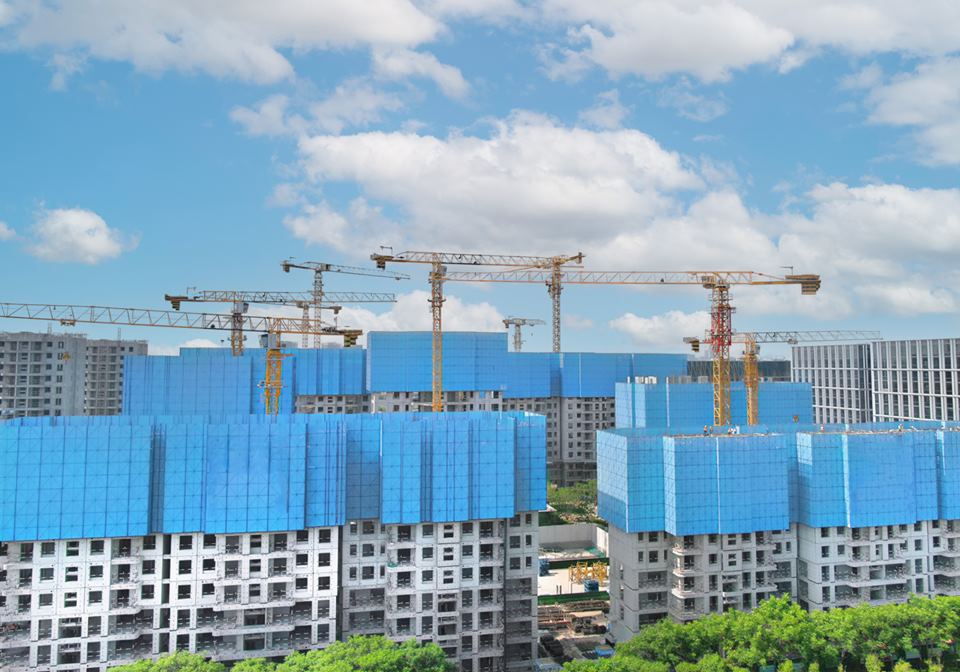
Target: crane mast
{"points": [[438, 262], [318, 296], [751, 352], [517, 323], [717, 282], [273, 326]]}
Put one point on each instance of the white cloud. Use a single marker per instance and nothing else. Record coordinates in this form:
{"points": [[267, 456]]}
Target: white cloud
{"points": [[928, 100], [622, 199], [608, 112], [496, 11], [242, 40], [411, 312], [663, 332], [353, 103], [174, 350], [698, 107], [908, 299], [267, 118], [710, 39], [865, 78], [530, 174], [6, 233], [76, 235], [64, 66], [577, 321], [651, 38], [404, 63], [365, 225]]}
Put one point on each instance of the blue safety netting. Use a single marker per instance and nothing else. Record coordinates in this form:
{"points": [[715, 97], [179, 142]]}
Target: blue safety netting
{"points": [[670, 405], [856, 476], [123, 476]]}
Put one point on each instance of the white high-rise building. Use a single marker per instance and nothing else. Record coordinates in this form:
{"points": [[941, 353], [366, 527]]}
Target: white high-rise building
{"points": [[62, 374], [840, 377]]}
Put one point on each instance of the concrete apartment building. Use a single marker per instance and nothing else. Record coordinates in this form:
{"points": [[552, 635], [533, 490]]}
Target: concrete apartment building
{"points": [[841, 378], [573, 391], [48, 374], [257, 536], [832, 517], [917, 379]]}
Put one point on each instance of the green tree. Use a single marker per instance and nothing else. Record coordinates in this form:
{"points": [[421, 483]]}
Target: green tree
{"points": [[872, 663], [902, 666], [177, 662], [254, 665], [785, 666], [369, 654]]}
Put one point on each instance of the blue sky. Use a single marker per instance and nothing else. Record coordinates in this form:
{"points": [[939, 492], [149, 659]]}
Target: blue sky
{"points": [[152, 146]]}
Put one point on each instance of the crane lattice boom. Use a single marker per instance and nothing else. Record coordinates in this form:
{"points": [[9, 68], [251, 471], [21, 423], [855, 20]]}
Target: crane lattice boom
{"points": [[438, 262], [149, 317]]}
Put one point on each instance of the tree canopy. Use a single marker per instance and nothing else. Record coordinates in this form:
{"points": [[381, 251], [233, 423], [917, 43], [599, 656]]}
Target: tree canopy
{"points": [[779, 633], [370, 654]]}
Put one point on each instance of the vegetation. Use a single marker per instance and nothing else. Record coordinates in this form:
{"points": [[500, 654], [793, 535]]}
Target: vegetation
{"points": [[780, 635], [575, 503], [370, 654]]}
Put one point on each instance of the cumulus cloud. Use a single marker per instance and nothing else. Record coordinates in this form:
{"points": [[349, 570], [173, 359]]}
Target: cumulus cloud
{"points": [[688, 103], [6, 233], [663, 332], [174, 350], [927, 100], [608, 112], [242, 40], [629, 203], [353, 103], [404, 63], [710, 40], [530, 172], [411, 312], [577, 321], [76, 235]]}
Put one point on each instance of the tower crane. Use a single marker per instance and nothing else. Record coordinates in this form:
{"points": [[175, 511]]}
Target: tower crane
{"points": [[751, 350], [517, 323], [717, 282], [273, 326], [438, 262], [318, 296], [240, 301]]}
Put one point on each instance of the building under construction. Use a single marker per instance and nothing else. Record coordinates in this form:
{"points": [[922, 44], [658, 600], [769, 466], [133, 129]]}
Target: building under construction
{"points": [[574, 391], [256, 536]]}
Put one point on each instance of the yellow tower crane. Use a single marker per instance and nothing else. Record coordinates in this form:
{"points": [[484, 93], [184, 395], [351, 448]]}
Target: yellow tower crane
{"points": [[438, 262], [751, 350], [273, 326], [717, 282], [517, 323], [318, 296], [241, 300]]}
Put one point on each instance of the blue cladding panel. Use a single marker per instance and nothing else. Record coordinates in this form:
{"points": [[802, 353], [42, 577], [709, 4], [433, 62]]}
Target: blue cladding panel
{"points": [[531, 462], [880, 479], [690, 485], [329, 371], [66, 482], [123, 476], [630, 482], [732, 483], [690, 405], [948, 474], [326, 472], [820, 480], [752, 483], [531, 374], [211, 381], [402, 361]]}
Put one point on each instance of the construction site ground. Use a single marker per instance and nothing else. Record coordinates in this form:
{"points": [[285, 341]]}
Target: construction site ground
{"points": [[558, 582], [572, 631]]}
